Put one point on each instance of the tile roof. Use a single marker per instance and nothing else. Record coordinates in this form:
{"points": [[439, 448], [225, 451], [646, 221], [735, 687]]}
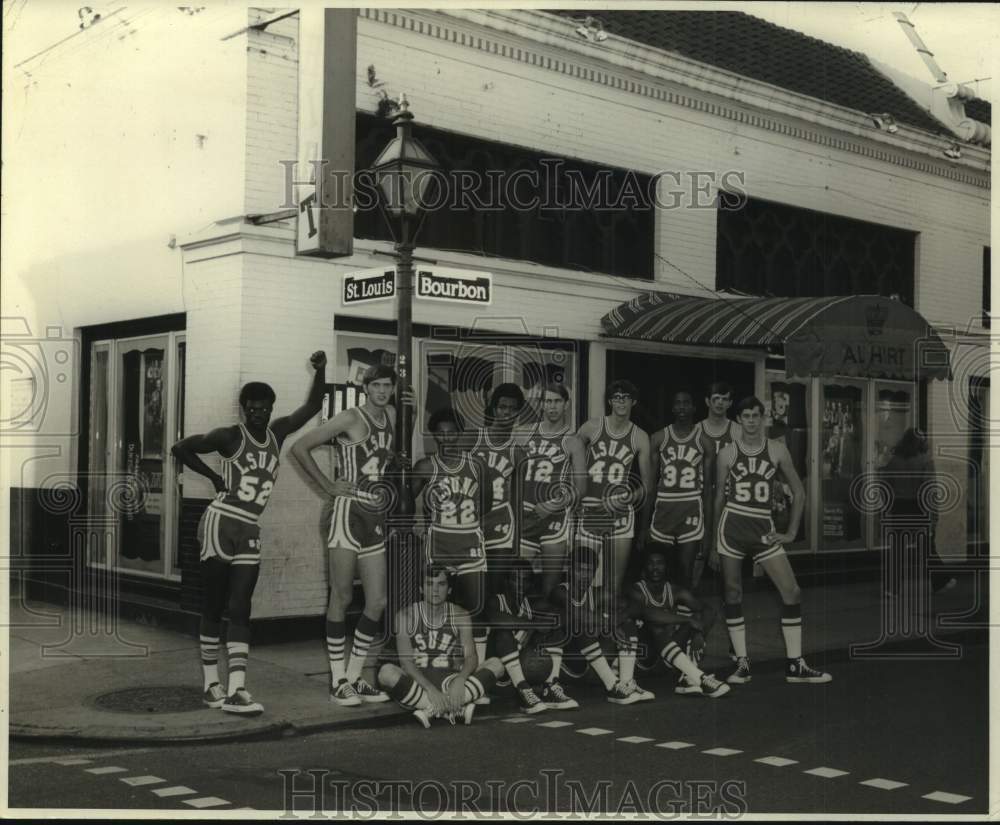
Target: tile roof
{"points": [[755, 48]]}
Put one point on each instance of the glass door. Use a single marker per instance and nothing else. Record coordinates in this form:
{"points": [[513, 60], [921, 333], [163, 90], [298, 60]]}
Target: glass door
{"points": [[842, 459], [787, 406]]}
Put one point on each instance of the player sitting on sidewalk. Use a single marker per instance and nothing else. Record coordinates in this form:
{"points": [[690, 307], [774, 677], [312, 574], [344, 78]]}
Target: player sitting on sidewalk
{"points": [[520, 631], [229, 533], [438, 672], [653, 600]]}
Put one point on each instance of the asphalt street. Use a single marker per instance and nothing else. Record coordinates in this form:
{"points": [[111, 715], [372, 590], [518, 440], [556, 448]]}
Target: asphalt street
{"points": [[885, 737]]}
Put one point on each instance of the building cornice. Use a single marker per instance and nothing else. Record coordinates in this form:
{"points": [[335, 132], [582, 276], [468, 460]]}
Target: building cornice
{"points": [[656, 74]]}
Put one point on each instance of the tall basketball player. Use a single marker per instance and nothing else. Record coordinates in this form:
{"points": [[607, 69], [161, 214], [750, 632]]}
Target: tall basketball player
{"points": [[229, 533], [353, 524], [744, 485]]}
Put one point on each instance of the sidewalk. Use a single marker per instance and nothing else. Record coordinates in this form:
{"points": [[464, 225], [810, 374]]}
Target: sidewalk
{"points": [[66, 685]]}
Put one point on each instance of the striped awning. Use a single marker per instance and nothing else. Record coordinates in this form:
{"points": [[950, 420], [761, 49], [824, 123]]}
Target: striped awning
{"points": [[855, 335]]}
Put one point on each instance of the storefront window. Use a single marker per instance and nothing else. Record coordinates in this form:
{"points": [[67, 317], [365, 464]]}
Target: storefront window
{"points": [[893, 414], [841, 459], [786, 412]]}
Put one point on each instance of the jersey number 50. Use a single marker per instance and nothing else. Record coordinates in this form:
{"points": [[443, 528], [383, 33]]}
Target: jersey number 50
{"points": [[761, 491]]}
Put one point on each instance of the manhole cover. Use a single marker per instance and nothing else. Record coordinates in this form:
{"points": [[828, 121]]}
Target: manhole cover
{"points": [[163, 699]]}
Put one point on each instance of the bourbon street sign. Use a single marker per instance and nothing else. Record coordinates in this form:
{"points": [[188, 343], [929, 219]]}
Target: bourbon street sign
{"points": [[455, 285]]}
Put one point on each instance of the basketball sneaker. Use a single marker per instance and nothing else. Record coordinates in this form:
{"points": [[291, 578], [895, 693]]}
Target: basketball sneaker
{"points": [[622, 694], [711, 687], [345, 695], [798, 671], [555, 697], [686, 687], [741, 675], [214, 696], [367, 693], [423, 716], [242, 702], [644, 695], [529, 701]]}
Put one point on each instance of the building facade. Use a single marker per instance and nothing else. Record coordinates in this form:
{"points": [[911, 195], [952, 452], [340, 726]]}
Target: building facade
{"points": [[756, 183]]}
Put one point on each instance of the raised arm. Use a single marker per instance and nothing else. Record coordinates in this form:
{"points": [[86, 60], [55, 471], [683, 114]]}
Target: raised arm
{"points": [[223, 441], [288, 424], [321, 435]]}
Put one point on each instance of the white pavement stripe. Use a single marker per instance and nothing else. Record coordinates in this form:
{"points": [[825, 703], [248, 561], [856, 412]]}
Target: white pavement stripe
{"points": [[555, 724], [950, 798], [517, 720], [722, 752], [108, 769], [87, 757], [174, 790], [635, 740], [676, 746], [137, 781], [777, 761], [826, 773], [594, 731], [206, 802], [883, 784]]}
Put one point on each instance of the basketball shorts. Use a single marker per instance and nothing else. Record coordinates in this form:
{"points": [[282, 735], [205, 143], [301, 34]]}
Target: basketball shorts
{"points": [[678, 521], [498, 528], [742, 535], [461, 552], [595, 524], [350, 525], [228, 539], [538, 530]]}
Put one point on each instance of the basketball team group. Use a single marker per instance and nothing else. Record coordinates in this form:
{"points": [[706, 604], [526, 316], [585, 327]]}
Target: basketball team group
{"points": [[537, 547]]}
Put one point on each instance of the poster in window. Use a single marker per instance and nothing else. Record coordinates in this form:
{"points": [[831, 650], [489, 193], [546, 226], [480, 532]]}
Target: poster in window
{"points": [[786, 419], [893, 414], [841, 458], [545, 368], [152, 403]]}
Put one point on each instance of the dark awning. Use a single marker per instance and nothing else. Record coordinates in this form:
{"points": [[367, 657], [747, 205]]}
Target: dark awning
{"points": [[859, 335]]}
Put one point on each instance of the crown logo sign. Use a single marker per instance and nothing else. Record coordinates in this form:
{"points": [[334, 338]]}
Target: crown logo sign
{"points": [[875, 317]]}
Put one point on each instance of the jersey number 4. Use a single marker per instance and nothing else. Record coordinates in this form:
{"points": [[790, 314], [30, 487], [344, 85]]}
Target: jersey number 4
{"points": [[248, 490]]}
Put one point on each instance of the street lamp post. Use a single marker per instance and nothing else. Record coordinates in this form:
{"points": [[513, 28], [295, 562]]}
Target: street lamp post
{"points": [[404, 172]]}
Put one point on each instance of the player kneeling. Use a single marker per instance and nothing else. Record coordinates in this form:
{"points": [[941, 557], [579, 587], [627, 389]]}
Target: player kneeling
{"points": [[659, 605], [439, 672]]}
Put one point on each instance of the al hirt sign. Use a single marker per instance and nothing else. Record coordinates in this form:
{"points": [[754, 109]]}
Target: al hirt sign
{"points": [[369, 285], [455, 285]]}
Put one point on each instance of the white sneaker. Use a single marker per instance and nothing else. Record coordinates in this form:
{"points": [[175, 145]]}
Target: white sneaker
{"points": [[345, 695]]}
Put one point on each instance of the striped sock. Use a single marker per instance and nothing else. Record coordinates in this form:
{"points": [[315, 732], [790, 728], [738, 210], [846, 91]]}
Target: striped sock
{"points": [[474, 689], [676, 658], [627, 650], [556, 654], [791, 629], [480, 633], [364, 635], [209, 659], [409, 694], [238, 652], [512, 664], [595, 658], [683, 611], [737, 628], [336, 641]]}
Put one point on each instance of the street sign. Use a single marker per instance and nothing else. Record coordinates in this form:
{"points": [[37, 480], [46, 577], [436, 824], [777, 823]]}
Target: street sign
{"points": [[455, 285], [369, 285]]}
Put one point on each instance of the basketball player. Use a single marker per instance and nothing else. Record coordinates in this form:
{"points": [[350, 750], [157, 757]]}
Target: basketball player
{"points": [[499, 454], [353, 526], [548, 493], [228, 531], [439, 673], [449, 488], [613, 444], [658, 604], [685, 458], [717, 426], [744, 485]]}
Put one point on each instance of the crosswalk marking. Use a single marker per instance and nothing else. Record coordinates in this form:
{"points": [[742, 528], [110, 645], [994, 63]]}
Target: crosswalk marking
{"points": [[555, 724], [137, 781], [883, 784], [950, 798], [826, 773], [78, 761], [206, 802], [175, 790], [106, 769], [675, 746], [594, 731], [777, 761], [722, 752], [635, 740], [516, 720]]}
